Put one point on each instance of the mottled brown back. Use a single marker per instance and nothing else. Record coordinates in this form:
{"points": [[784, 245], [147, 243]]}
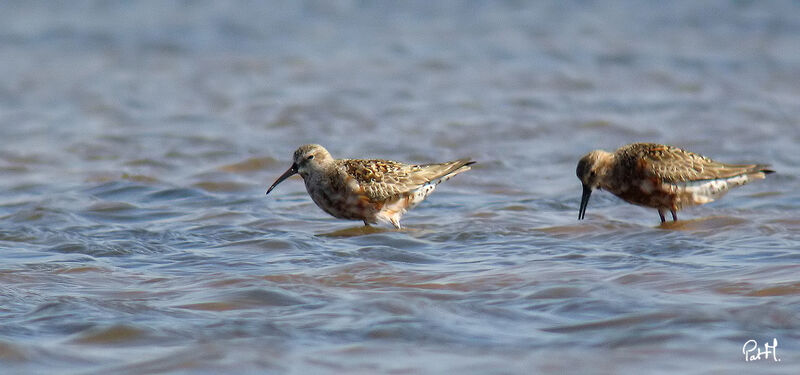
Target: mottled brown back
{"points": [[386, 179], [672, 164]]}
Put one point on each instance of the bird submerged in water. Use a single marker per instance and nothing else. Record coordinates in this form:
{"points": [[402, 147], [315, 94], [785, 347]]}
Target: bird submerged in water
{"points": [[660, 176], [369, 190]]}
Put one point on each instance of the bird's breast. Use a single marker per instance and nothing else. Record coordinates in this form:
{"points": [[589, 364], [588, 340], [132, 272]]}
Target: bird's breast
{"points": [[341, 200], [649, 192]]}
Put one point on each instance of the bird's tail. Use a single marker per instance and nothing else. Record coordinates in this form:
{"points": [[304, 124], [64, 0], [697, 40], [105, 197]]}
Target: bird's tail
{"points": [[760, 171]]}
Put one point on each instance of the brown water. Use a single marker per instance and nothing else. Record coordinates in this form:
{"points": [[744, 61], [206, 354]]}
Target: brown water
{"points": [[138, 138]]}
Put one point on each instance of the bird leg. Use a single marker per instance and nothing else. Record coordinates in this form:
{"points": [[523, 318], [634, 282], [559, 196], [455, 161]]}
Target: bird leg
{"points": [[661, 215], [395, 222], [674, 214]]}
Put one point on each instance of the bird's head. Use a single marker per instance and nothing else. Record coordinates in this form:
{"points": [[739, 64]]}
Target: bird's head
{"points": [[306, 160]]}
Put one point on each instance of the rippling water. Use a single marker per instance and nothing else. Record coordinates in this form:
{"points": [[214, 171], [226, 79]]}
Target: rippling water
{"points": [[138, 139]]}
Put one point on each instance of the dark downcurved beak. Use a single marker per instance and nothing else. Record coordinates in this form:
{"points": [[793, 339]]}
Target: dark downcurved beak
{"points": [[587, 192], [289, 173]]}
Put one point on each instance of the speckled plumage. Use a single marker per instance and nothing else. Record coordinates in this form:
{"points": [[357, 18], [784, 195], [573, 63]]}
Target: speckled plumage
{"points": [[369, 190], [660, 176]]}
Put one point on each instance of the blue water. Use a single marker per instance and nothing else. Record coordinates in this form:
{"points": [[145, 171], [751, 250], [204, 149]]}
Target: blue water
{"points": [[137, 140]]}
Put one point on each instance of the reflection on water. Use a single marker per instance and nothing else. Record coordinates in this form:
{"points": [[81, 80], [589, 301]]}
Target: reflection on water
{"points": [[712, 223], [361, 231], [138, 140]]}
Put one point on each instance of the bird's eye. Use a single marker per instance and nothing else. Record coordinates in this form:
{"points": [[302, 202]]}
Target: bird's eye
{"points": [[309, 157]]}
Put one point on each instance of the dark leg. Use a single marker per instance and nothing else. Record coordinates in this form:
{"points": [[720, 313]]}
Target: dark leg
{"points": [[366, 224], [674, 215], [661, 215]]}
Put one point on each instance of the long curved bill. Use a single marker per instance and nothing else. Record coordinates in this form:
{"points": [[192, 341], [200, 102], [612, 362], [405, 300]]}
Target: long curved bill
{"points": [[587, 192], [289, 173]]}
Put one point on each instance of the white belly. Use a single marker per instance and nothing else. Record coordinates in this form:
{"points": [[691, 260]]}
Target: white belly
{"points": [[705, 191]]}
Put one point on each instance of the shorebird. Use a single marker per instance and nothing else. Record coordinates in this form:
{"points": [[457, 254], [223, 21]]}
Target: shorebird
{"points": [[660, 176], [369, 190]]}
